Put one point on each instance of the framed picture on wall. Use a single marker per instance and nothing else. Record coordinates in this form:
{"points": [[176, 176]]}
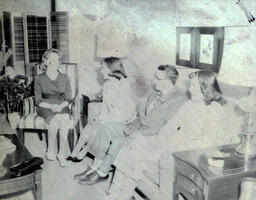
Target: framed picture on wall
{"points": [[185, 46], [199, 47], [209, 48]]}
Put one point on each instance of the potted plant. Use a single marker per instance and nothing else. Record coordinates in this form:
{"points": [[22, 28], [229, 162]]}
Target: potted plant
{"points": [[12, 92]]}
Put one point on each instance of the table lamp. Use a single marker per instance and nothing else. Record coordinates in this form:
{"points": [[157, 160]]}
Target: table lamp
{"points": [[237, 79]]}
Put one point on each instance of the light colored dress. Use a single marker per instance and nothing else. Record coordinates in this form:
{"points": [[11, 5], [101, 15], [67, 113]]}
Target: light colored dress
{"points": [[119, 106], [117, 110]]}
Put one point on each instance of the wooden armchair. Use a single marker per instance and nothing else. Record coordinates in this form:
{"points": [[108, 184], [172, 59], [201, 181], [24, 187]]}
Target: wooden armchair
{"points": [[31, 122]]}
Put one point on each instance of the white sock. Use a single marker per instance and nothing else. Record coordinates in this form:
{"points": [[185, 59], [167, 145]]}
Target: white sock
{"points": [[102, 174], [96, 164]]}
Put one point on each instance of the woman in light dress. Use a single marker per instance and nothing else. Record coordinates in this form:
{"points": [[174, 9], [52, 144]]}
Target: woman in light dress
{"points": [[117, 111], [206, 120]]}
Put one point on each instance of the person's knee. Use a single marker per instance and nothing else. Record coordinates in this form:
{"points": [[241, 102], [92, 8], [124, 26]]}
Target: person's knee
{"points": [[55, 122], [63, 117], [64, 121], [166, 161]]}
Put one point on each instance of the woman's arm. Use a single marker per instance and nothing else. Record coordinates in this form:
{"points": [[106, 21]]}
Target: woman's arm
{"points": [[38, 94]]}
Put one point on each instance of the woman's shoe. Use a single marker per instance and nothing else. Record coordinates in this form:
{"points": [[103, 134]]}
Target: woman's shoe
{"points": [[50, 156], [69, 158], [73, 159], [62, 161]]}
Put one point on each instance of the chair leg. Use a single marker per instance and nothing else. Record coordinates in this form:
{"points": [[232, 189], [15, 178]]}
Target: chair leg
{"points": [[112, 174], [71, 139], [21, 135], [46, 138], [141, 194], [40, 135]]}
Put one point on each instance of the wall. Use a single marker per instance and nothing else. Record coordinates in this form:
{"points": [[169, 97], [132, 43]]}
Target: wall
{"points": [[144, 31], [39, 7], [124, 28], [213, 13]]}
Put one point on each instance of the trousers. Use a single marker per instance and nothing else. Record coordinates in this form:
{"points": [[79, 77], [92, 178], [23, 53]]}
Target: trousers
{"points": [[107, 144]]}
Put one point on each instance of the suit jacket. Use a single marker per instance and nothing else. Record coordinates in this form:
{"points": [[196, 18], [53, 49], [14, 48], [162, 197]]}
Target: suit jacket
{"points": [[155, 117]]}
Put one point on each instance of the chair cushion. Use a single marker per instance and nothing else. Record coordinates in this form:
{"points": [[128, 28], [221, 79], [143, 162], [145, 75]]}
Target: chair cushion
{"points": [[33, 121]]}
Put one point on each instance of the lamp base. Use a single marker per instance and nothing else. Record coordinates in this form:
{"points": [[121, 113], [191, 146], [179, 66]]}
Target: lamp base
{"points": [[247, 147]]}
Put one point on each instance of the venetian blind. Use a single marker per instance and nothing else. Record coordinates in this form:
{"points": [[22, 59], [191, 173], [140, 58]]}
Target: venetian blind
{"points": [[37, 37], [59, 30], [19, 38]]}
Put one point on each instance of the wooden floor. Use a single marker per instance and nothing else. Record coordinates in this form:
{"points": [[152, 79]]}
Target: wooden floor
{"points": [[58, 182]]}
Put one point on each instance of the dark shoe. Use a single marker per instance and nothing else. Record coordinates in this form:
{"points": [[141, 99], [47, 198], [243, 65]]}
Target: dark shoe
{"points": [[69, 158], [75, 159], [79, 176]]}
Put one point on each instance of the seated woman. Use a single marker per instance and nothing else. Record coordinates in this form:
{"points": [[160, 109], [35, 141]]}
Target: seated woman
{"points": [[118, 110], [203, 121], [52, 97]]}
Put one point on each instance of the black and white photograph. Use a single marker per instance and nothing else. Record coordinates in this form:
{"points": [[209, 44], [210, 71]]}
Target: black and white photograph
{"points": [[127, 100]]}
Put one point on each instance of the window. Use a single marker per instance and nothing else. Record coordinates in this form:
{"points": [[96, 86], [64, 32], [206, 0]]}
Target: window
{"points": [[59, 29], [199, 47], [29, 36], [37, 37]]}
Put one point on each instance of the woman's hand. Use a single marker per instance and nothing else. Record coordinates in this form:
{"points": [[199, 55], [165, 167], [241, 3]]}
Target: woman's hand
{"points": [[56, 108], [63, 104]]}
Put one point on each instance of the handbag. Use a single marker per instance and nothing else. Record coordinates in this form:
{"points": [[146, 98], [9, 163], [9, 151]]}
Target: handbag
{"points": [[26, 167]]}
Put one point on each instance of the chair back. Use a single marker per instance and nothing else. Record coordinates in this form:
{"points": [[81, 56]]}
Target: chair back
{"points": [[248, 189], [71, 70], [94, 109], [31, 71]]}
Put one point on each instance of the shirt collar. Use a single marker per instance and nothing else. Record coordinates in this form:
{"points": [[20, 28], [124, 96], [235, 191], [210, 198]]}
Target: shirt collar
{"points": [[167, 96]]}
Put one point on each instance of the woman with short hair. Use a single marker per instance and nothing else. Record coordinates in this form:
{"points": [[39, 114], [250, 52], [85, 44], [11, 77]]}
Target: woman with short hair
{"points": [[52, 96], [117, 111]]}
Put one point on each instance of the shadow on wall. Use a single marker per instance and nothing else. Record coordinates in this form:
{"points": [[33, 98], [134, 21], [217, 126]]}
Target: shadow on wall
{"points": [[99, 76]]}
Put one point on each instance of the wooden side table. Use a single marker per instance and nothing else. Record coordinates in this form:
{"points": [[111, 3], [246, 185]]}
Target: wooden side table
{"points": [[10, 184], [196, 180], [84, 111]]}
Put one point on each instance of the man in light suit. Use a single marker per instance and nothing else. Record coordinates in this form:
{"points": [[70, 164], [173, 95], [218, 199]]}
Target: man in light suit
{"points": [[161, 105], [165, 100]]}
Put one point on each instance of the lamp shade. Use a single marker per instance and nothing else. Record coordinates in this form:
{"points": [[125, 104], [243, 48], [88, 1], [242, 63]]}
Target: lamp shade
{"points": [[238, 66]]}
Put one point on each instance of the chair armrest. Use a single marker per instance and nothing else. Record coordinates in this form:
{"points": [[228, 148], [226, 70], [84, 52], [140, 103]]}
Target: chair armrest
{"points": [[94, 109], [28, 106], [75, 109]]}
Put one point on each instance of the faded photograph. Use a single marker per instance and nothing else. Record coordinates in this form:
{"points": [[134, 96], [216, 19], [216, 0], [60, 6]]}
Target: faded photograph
{"points": [[127, 100]]}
